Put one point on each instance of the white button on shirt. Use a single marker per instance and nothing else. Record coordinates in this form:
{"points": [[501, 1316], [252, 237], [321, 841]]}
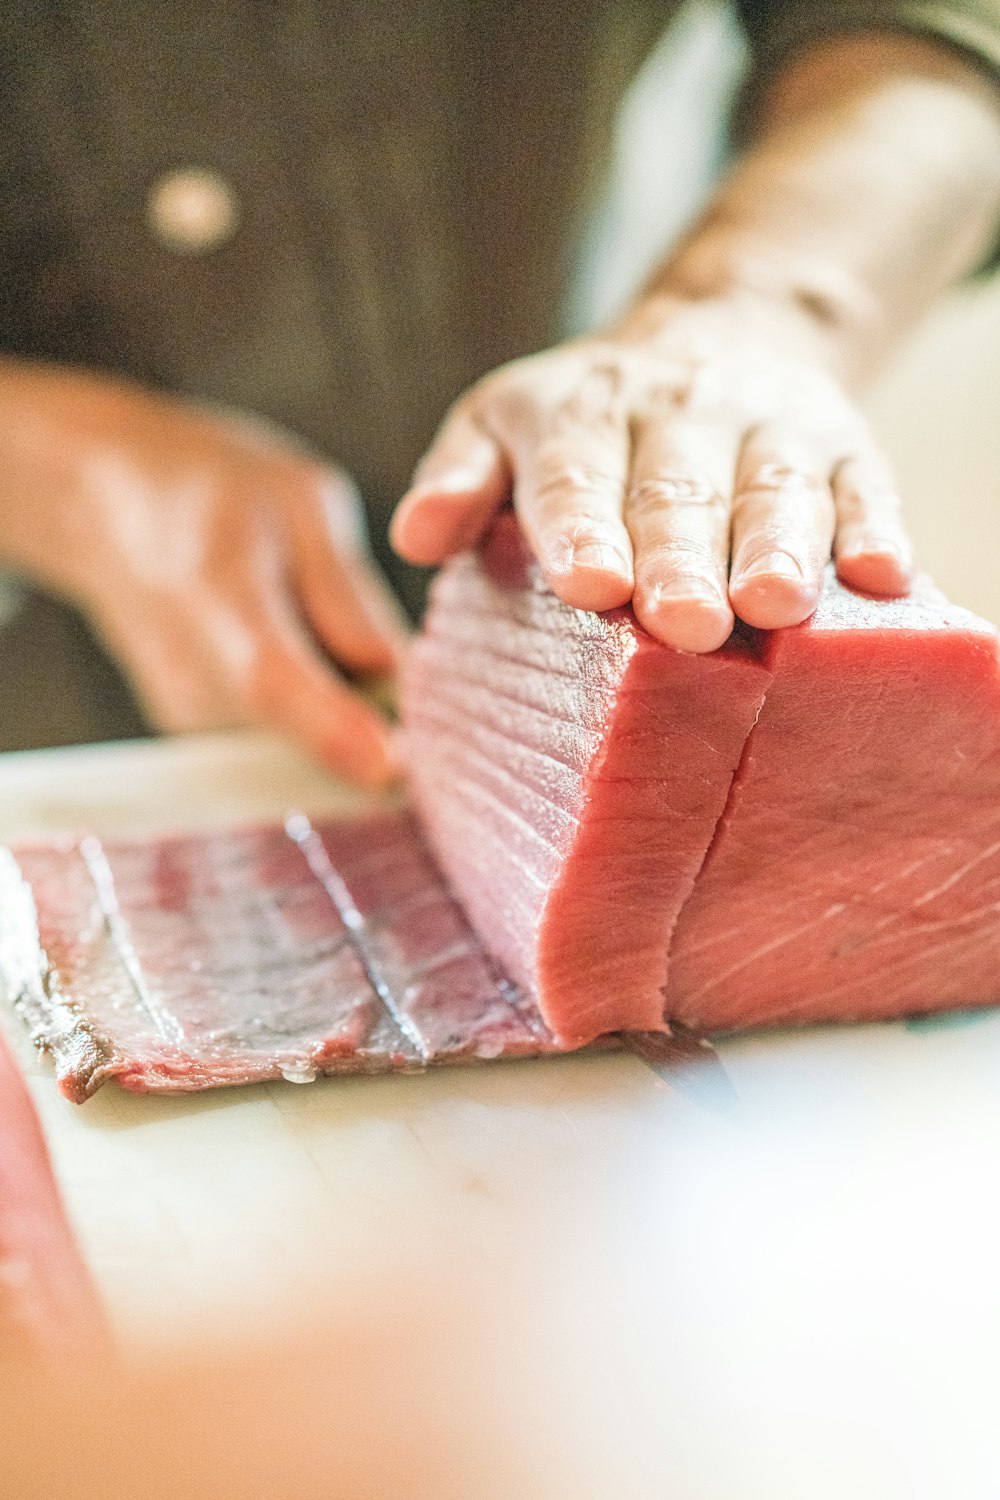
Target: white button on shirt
{"points": [[192, 211]]}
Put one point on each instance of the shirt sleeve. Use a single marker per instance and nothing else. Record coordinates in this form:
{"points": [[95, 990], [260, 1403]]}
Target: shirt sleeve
{"points": [[777, 28]]}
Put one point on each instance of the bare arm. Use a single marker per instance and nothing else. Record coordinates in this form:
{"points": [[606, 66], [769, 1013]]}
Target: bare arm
{"points": [[704, 455], [874, 184]]}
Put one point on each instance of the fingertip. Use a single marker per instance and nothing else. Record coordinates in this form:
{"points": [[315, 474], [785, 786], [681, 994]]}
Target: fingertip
{"points": [[592, 589], [371, 760], [436, 519], [876, 570], [413, 533], [774, 592], [686, 618], [592, 573], [380, 774]]}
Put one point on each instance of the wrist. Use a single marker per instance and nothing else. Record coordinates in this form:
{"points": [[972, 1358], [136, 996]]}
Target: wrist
{"points": [[803, 302]]}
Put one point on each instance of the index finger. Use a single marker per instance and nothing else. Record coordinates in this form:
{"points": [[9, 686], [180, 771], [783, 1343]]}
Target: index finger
{"points": [[346, 600], [287, 685], [460, 483]]}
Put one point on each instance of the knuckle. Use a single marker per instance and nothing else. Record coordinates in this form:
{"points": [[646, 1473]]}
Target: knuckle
{"points": [[786, 476], [313, 482], [663, 495], [574, 531], [670, 392], [595, 399], [508, 393], [562, 484], [460, 414], [860, 500], [866, 486], [779, 485]]}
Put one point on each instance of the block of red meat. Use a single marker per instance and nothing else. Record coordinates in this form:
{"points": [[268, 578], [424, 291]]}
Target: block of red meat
{"points": [[569, 772], [856, 872], [233, 957], [48, 1306]]}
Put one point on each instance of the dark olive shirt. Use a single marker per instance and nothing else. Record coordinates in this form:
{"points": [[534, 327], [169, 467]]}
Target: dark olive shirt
{"points": [[410, 180]]}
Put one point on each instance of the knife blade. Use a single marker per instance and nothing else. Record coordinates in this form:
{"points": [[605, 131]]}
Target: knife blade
{"points": [[687, 1061]]}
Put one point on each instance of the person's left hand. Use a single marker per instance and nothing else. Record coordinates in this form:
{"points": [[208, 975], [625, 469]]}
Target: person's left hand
{"points": [[701, 463]]}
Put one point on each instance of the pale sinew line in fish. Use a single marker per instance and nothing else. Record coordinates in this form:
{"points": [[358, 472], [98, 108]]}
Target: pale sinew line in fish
{"points": [[892, 921], [302, 833], [457, 710], [99, 869], [543, 711], [23, 961], [474, 791], [898, 965], [545, 669], [873, 890], [958, 875], [766, 948]]}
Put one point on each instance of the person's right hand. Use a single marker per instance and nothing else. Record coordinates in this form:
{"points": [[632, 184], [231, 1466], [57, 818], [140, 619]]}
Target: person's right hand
{"points": [[225, 567]]}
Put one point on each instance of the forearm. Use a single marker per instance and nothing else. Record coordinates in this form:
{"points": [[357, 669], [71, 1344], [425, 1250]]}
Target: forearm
{"points": [[62, 429], [871, 183]]}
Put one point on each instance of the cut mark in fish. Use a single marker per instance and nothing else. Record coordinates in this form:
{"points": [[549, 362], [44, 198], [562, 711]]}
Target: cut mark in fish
{"points": [[302, 833], [99, 869]]}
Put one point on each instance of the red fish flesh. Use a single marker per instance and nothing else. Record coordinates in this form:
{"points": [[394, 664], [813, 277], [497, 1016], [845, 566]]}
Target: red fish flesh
{"points": [[48, 1306], [575, 780], [856, 871], [802, 827], [569, 773], [189, 962]]}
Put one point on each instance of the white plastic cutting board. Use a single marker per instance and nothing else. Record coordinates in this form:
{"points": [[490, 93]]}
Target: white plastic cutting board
{"points": [[797, 1301]]}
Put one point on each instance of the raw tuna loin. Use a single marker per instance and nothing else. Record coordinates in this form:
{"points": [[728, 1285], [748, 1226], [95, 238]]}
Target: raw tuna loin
{"points": [[569, 773], [856, 872], [575, 781], [803, 827]]}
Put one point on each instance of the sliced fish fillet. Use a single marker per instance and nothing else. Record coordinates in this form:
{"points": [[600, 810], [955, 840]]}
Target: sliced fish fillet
{"points": [[856, 871], [569, 773], [48, 1306]]}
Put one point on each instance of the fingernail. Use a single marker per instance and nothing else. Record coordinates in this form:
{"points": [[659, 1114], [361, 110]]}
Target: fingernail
{"points": [[448, 482], [690, 614], [771, 565], [686, 590], [873, 546], [601, 555], [876, 567]]}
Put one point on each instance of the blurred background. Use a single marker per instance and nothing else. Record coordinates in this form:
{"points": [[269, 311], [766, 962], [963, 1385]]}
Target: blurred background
{"points": [[935, 407]]}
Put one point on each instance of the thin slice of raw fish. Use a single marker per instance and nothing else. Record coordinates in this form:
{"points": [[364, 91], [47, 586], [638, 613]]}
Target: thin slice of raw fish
{"points": [[48, 1306], [242, 955], [856, 872], [569, 772]]}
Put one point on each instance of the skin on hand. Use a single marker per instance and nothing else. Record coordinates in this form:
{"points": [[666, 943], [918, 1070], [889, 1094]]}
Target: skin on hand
{"points": [[701, 470], [704, 457], [224, 567]]}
